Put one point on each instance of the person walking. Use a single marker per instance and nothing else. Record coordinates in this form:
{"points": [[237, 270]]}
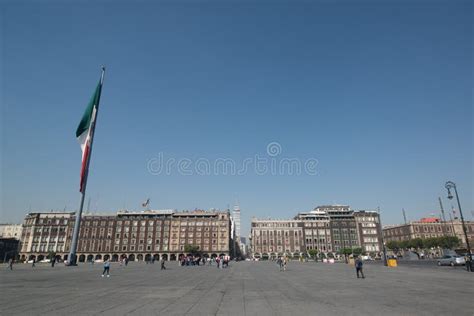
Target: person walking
{"points": [[468, 262], [163, 265], [33, 264], [53, 261], [280, 263], [106, 268], [359, 267], [285, 263], [10, 263]]}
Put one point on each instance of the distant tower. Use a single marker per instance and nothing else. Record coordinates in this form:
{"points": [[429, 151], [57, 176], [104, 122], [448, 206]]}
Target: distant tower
{"points": [[236, 215]]}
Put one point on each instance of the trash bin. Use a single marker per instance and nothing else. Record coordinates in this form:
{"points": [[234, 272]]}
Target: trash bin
{"points": [[392, 263]]}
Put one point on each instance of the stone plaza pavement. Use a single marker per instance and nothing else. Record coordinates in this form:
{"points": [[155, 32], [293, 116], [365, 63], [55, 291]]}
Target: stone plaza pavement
{"points": [[245, 288]]}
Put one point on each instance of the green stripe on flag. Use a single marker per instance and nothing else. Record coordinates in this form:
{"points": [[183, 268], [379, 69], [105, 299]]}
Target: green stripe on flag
{"points": [[86, 118]]}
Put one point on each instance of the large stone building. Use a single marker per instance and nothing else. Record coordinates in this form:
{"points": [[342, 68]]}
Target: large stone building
{"points": [[272, 238], [369, 230], [10, 231], [135, 235], [327, 229], [427, 228]]}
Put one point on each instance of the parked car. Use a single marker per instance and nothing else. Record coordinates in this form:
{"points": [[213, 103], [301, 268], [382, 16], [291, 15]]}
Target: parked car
{"points": [[451, 260]]}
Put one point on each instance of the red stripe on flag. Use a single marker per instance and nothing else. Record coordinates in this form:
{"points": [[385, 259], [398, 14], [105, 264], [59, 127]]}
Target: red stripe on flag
{"points": [[84, 167]]}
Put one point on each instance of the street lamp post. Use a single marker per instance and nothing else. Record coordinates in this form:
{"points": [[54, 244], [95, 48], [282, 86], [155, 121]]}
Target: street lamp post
{"points": [[451, 185], [384, 253]]}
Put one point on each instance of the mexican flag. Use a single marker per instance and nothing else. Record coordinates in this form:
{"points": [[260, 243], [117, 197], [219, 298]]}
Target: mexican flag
{"points": [[85, 133]]}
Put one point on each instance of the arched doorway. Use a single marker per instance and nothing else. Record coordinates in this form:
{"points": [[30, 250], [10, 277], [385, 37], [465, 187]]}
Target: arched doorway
{"points": [[90, 258], [222, 255], [23, 258], [82, 258], [131, 257], [140, 257], [214, 255], [147, 257], [156, 257], [296, 255], [180, 256], [272, 256], [265, 256], [98, 257], [40, 257], [205, 255], [173, 257], [31, 257], [164, 257], [115, 257], [123, 256], [106, 257]]}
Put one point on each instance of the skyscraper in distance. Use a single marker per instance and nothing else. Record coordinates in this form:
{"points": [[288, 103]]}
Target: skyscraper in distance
{"points": [[236, 216]]}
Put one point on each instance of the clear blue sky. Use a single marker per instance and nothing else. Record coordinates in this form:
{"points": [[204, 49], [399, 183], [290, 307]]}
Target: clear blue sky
{"points": [[380, 95]]}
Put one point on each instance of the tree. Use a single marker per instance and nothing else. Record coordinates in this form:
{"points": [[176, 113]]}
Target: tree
{"points": [[431, 243], [416, 243], [357, 251], [345, 252], [404, 244], [393, 245], [313, 253], [449, 242], [194, 250]]}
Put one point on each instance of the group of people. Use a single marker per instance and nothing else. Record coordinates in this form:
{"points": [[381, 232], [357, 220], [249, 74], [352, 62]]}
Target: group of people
{"points": [[221, 262]]}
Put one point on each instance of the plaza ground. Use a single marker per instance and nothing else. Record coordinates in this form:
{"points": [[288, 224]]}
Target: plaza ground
{"points": [[245, 288]]}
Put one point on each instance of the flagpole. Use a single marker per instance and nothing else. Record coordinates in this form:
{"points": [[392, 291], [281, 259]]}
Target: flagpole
{"points": [[77, 224]]}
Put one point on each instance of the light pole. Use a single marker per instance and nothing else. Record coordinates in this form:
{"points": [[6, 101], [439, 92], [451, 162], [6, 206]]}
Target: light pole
{"points": [[451, 185]]}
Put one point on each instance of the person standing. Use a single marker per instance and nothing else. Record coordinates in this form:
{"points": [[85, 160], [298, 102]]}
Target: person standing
{"points": [[106, 268], [53, 261], [33, 264], [285, 263], [280, 263], [468, 262], [10, 263], [359, 267], [163, 264]]}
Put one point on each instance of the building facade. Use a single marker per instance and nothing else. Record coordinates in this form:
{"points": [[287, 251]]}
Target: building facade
{"points": [[427, 228], [369, 230], [161, 235], [236, 216], [10, 231], [274, 238], [327, 229]]}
